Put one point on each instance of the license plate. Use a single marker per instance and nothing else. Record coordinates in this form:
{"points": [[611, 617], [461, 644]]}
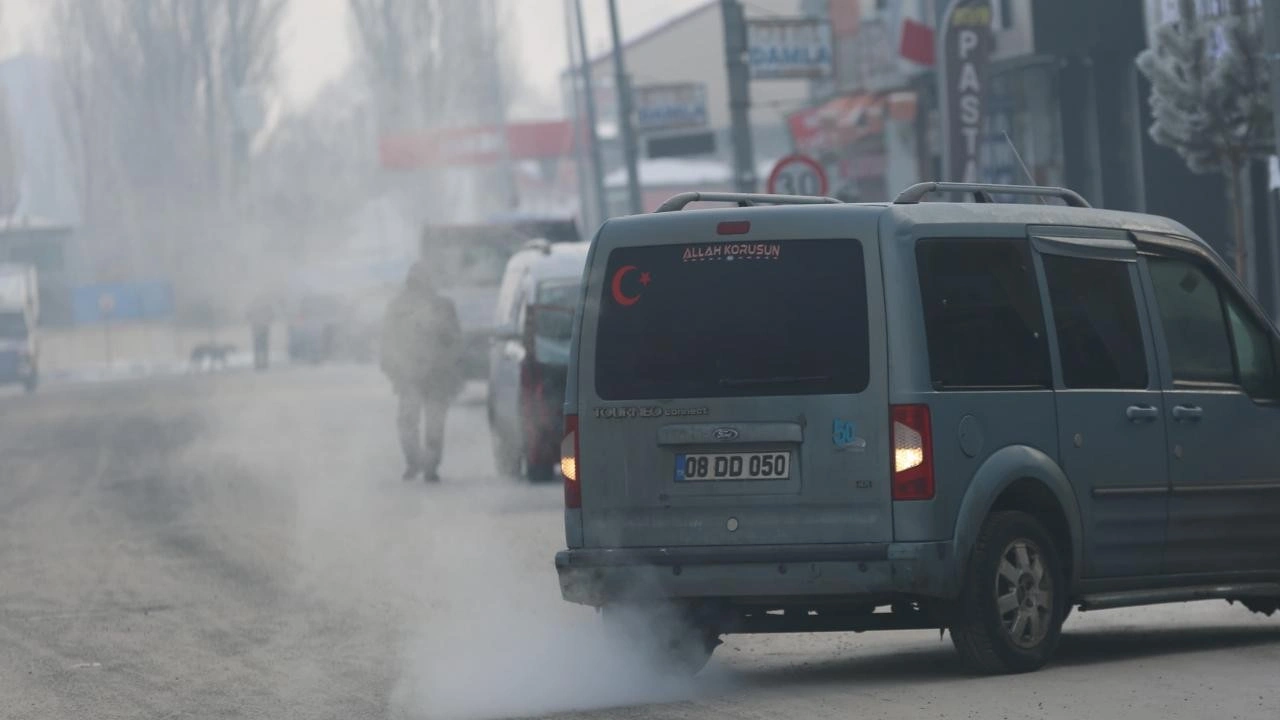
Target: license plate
{"points": [[733, 466]]}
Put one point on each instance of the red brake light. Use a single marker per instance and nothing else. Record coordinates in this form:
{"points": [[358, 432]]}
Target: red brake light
{"points": [[569, 463], [736, 227], [912, 452]]}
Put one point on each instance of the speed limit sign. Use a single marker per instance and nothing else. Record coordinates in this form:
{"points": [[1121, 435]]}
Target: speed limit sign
{"points": [[797, 175]]}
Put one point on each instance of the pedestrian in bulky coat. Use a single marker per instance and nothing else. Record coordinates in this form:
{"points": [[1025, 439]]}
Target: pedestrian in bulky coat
{"points": [[421, 355]]}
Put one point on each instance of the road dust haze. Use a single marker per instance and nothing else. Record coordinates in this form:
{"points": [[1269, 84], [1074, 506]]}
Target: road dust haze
{"points": [[280, 503], [496, 641], [452, 585]]}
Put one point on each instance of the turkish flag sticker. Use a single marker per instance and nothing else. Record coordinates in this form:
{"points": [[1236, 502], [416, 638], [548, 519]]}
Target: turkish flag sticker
{"points": [[620, 296]]}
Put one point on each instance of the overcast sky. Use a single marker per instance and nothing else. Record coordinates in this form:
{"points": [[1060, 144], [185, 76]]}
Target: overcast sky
{"points": [[316, 47]]}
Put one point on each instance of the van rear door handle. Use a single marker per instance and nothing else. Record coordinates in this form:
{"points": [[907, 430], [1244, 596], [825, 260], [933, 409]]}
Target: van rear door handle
{"points": [[1188, 412], [1142, 413]]}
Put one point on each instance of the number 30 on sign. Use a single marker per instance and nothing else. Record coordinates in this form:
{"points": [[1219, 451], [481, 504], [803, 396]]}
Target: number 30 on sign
{"points": [[797, 175]]}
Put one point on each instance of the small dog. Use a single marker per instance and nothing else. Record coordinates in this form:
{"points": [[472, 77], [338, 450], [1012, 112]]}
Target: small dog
{"points": [[210, 356]]}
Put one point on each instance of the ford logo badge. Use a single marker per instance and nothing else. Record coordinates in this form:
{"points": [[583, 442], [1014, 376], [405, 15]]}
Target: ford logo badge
{"points": [[726, 433]]}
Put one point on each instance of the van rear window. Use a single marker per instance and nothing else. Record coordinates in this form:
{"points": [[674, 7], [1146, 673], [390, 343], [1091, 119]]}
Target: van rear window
{"points": [[733, 319]]}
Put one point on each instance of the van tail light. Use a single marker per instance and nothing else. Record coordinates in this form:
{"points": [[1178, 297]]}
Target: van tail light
{"points": [[912, 452], [569, 463]]}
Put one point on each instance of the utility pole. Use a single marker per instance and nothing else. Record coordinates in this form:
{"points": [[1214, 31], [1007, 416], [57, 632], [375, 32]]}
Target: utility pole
{"points": [[735, 56], [492, 42], [579, 159], [1271, 28], [623, 84], [588, 87], [941, 14]]}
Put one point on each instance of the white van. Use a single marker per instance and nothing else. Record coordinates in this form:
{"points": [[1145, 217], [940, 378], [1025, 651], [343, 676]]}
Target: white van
{"points": [[529, 356]]}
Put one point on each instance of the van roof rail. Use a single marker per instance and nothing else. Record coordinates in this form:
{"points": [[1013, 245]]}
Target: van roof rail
{"points": [[678, 202], [982, 192]]}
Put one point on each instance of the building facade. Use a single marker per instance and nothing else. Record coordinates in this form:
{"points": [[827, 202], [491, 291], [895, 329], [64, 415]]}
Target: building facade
{"points": [[684, 53], [885, 73]]}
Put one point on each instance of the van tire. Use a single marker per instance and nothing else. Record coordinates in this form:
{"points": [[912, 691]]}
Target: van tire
{"points": [[1022, 638], [664, 634]]}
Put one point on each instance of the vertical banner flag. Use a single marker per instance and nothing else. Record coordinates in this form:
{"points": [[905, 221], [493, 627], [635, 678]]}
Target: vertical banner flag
{"points": [[966, 49]]}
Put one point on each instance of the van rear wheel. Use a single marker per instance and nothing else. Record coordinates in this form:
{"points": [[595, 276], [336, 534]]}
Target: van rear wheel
{"points": [[1009, 616], [664, 634]]}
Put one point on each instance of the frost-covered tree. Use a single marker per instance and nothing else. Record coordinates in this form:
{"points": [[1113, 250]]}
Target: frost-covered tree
{"points": [[1210, 98]]}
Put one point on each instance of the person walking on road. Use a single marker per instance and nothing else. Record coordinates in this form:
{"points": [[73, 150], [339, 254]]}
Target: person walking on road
{"points": [[420, 353]]}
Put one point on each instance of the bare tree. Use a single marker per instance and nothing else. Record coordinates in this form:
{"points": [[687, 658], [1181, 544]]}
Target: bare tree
{"points": [[250, 49], [434, 62], [440, 63], [401, 44], [154, 90], [317, 168]]}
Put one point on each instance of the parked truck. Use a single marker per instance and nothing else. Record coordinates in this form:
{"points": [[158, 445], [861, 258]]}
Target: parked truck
{"points": [[19, 314]]}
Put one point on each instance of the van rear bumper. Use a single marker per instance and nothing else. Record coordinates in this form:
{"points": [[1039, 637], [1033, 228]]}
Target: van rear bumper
{"points": [[600, 576]]}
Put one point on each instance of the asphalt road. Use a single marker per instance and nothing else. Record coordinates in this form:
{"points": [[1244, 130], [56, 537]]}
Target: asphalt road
{"points": [[242, 546]]}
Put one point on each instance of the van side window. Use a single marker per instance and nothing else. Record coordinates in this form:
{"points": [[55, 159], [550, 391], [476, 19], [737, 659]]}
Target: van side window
{"points": [[1195, 327], [1255, 356], [1096, 317], [983, 318]]}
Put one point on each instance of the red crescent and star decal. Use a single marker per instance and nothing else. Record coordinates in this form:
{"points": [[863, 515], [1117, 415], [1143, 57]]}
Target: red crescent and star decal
{"points": [[619, 296]]}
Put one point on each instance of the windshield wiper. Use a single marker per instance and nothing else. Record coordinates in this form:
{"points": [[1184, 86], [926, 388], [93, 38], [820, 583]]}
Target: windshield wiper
{"points": [[776, 380]]}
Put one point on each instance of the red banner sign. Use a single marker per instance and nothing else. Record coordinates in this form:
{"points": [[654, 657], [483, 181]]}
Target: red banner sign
{"points": [[475, 145]]}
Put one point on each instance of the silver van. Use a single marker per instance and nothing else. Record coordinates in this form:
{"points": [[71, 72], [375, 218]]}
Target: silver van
{"points": [[813, 416]]}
